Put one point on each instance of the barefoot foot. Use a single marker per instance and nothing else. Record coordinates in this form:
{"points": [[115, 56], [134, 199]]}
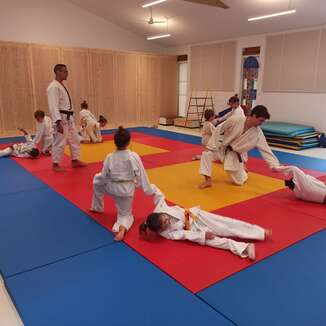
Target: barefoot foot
{"points": [[120, 235], [251, 251], [205, 184]]}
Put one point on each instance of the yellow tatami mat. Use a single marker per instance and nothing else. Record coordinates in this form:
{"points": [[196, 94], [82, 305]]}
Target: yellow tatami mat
{"points": [[91, 153], [180, 182]]}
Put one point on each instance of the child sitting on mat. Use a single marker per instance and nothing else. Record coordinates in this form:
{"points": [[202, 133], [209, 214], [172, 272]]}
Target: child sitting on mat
{"points": [[304, 186], [196, 225], [207, 130], [122, 172], [26, 149], [44, 133]]}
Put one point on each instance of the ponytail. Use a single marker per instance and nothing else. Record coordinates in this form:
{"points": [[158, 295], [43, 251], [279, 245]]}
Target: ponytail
{"points": [[143, 228]]}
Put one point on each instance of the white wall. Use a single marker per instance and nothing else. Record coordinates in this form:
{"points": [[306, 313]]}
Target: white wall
{"points": [[305, 108], [59, 22]]}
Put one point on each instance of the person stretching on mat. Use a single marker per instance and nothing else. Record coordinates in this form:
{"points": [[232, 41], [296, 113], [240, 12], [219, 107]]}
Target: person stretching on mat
{"points": [[304, 186], [196, 225], [26, 149], [230, 143], [91, 128], [122, 172]]}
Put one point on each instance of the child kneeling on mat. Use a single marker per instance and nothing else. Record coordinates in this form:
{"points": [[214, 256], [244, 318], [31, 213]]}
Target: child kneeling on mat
{"points": [[196, 225], [27, 149], [122, 172]]}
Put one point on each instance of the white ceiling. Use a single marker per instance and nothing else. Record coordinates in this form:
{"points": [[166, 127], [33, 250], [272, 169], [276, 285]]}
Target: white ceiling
{"points": [[193, 23]]}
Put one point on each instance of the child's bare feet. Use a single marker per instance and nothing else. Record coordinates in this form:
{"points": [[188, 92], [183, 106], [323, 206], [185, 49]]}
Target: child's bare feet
{"points": [[251, 251], [268, 233], [120, 235], [57, 168], [205, 184]]}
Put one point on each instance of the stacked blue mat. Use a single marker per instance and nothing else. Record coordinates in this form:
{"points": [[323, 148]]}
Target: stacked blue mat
{"points": [[290, 135]]}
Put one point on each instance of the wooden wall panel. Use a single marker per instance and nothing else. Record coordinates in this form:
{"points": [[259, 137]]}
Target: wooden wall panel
{"points": [[44, 58], [103, 80], [15, 87], [168, 87], [128, 88], [321, 64], [79, 79], [299, 61], [149, 87], [125, 109], [213, 67]]}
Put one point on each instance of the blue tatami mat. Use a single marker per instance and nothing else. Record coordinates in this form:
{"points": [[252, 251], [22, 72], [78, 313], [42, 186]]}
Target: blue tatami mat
{"points": [[39, 227], [14, 178], [112, 285], [306, 162], [286, 289]]}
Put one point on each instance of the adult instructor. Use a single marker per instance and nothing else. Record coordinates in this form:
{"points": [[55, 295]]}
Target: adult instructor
{"points": [[61, 110]]}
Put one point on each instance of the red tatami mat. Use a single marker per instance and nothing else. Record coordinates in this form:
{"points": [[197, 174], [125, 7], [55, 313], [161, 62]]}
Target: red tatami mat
{"points": [[192, 265]]}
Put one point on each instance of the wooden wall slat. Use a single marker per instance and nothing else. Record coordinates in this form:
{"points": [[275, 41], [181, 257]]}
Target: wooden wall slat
{"points": [[15, 87], [128, 88]]}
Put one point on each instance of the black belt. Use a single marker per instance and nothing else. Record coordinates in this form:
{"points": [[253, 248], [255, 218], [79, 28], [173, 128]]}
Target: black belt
{"points": [[67, 113], [229, 148]]}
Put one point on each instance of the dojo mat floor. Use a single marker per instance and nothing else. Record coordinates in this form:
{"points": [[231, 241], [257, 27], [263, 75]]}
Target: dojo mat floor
{"points": [[61, 265]]}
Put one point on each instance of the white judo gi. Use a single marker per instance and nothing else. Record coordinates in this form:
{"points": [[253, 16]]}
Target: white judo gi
{"points": [[237, 112], [20, 149], [44, 134], [59, 100], [206, 132], [122, 172], [91, 128], [230, 145], [306, 186], [202, 222]]}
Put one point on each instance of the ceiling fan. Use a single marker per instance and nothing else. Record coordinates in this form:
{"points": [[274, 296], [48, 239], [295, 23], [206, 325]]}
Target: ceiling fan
{"points": [[152, 21], [214, 3]]}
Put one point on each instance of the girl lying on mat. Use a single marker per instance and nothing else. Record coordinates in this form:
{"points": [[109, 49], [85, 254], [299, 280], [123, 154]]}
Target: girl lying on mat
{"points": [[196, 225], [304, 186], [122, 172], [27, 149]]}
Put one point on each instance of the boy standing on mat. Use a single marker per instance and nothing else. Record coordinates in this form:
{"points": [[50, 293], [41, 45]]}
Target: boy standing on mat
{"points": [[122, 172], [196, 225], [231, 141], [61, 111]]}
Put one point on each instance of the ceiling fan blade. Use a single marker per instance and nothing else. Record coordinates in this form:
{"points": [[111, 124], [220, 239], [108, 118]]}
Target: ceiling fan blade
{"points": [[214, 3]]}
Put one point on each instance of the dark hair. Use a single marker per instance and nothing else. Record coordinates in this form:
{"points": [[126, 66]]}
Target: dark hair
{"points": [[234, 99], [34, 152], [84, 105], [39, 114], [153, 222], [58, 67], [208, 114], [121, 137], [260, 111], [289, 183], [102, 119]]}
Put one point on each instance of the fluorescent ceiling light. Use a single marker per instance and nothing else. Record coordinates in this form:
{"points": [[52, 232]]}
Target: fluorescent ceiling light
{"points": [[153, 3], [158, 36], [273, 15]]}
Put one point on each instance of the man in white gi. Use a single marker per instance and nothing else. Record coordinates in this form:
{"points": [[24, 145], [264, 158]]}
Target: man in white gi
{"points": [[61, 111], [196, 225], [304, 186], [44, 133], [231, 141]]}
